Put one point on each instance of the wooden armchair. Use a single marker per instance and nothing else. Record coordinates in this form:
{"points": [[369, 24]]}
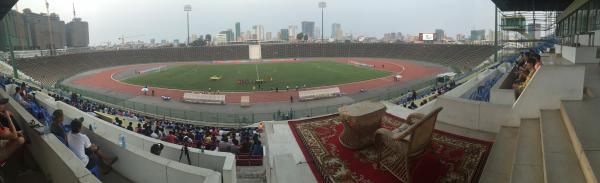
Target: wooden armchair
{"points": [[396, 148]]}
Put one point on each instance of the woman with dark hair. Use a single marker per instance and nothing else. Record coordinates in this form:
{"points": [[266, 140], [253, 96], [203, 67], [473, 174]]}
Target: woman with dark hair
{"points": [[57, 127], [130, 126]]}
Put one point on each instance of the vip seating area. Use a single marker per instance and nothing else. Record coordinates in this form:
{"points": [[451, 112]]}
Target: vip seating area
{"points": [[51, 69], [538, 108]]}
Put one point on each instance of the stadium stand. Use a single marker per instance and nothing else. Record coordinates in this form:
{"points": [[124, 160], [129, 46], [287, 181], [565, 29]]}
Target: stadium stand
{"points": [[100, 131], [49, 70]]}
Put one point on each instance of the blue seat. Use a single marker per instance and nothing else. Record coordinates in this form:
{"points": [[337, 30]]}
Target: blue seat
{"points": [[96, 171]]}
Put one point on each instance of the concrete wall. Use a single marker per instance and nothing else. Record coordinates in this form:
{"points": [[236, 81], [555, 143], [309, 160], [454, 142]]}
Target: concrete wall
{"points": [[468, 87], [140, 165], [501, 95], [584, 40], [474, 114], [597, 38], [549, 85], [579, 55], [207, 164], [285, 161], [558, 49], [57, 162]]}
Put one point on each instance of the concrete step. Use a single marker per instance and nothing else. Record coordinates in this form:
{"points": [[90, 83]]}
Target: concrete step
{"points": [[581, 120], [250, 172], [560, 162], [250, 180], [528, 165], [498, 167]]}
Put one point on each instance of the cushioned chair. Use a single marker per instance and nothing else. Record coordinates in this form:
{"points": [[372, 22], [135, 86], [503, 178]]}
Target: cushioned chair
{"points": [[396, 148]]}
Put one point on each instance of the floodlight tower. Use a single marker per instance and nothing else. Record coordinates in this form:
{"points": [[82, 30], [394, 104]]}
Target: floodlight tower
{"points": [[50, 29], [187, 8], [322, 5]]}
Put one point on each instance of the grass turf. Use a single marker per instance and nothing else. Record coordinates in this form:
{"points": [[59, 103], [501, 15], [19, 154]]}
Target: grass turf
{"points": [[292, 74]]}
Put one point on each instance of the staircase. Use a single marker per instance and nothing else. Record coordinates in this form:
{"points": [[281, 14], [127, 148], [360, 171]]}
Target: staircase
{"points": [[251, 174], [549, 149]]}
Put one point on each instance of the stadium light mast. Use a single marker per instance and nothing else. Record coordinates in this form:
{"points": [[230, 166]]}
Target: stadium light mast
{"points": [[50, 29], [322, 5], [187, 8], [13, 61]]}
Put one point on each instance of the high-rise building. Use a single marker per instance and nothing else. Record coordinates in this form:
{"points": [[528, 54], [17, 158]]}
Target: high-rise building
{"points": [[194, 37], [17, 31], [77, 33], [336, 31], [293, 31], [533, 31], [221, 38], [308, 28], [268, 36], [229, 37], [38, 31], [399, 36], [284, 34], [58, 31], [238, 31], [259, 32], [248, 35], [477, 35], [439, 35], [152, 41], [460, 37], [317, 32], [390, 37]]}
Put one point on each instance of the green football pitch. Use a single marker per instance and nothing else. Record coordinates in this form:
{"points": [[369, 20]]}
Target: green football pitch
{"points": [[275, 75]]}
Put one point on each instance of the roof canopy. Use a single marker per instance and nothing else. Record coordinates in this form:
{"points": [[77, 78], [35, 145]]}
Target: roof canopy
{"points": [[5, 6], [532, 5]]}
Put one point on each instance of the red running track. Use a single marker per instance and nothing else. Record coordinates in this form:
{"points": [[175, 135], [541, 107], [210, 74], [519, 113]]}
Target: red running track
{"points": [[409, 70]]}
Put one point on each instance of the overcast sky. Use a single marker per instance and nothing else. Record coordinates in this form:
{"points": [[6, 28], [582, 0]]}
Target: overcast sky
{"points": [[165, 19]]}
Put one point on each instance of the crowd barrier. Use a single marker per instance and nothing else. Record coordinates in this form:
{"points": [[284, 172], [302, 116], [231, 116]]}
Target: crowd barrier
{"points": [[55, 160], [207, 166]]}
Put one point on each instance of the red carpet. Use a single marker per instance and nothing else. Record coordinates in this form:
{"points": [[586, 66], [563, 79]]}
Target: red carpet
{"points": [[452, 158]]}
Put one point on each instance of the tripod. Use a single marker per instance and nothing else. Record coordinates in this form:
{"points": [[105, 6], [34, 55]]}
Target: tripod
{"points": [[185, 150]]}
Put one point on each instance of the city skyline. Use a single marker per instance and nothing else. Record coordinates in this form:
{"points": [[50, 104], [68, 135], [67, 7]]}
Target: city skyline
{"points": [[159, 19]]}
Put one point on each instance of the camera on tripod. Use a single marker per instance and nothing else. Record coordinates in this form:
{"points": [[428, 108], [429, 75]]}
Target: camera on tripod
{"points": [[185, 150]]}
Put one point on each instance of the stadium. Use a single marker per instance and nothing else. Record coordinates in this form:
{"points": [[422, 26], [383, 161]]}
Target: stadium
{"points": [[518, 107]]}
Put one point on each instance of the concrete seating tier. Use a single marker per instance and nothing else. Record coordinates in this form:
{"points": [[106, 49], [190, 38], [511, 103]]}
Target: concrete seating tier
{"points": [[51, 69], [208, 166]]}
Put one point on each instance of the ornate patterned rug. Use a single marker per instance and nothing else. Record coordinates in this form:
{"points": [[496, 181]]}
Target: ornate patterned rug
{"points": [[452, 158]]}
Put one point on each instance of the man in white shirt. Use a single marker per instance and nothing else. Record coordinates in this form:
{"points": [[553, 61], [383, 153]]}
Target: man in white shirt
{"points": [[83, 148]]}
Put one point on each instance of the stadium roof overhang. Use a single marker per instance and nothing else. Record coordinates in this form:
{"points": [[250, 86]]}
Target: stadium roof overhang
{"points": [[5, 6], [532, 5]]}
